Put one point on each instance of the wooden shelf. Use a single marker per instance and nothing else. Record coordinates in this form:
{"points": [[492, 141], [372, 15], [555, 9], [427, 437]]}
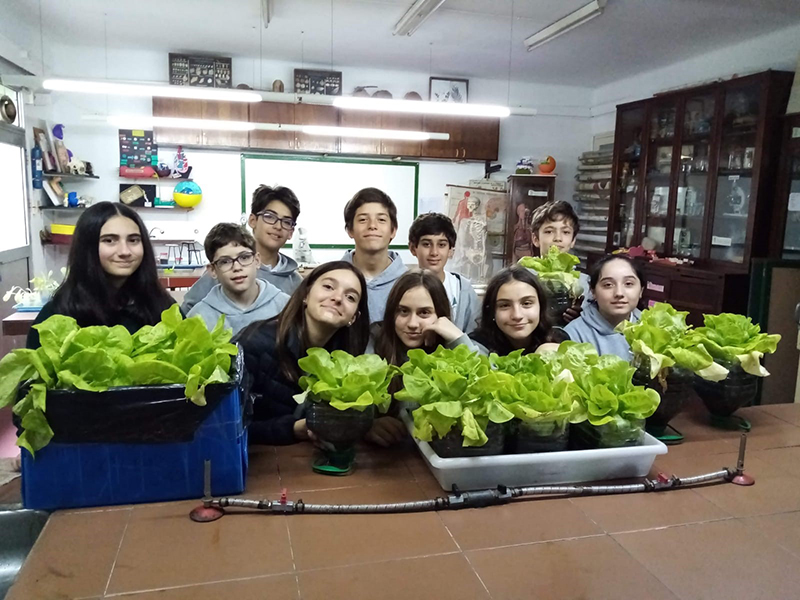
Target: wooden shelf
{"points": [[663, 141], [740, 172], [154, 180], [69, 176], [696, 138]]}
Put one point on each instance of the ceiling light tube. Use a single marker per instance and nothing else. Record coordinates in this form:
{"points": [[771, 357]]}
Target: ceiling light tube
{"points": [[568, 23], [144, 122], [386, 134], [415, 16], [417, 106], [149, 90]]}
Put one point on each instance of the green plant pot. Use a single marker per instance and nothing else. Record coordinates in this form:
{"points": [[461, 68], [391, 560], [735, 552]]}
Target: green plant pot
{"points": [[610, 435], [558, 300], [529, 437], [451, 445], [723, 398], [679, 383]]}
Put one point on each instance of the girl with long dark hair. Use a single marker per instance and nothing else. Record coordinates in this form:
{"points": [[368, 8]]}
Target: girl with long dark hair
{"points": [[111, 277], [513, 314], [328, 310], [417, 315]]}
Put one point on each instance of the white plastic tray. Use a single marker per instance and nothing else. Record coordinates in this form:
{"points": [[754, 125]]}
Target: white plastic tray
{"points": [[572, 466]]}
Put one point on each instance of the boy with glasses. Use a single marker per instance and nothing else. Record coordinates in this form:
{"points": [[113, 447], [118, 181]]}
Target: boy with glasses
{"points": [[273, 215], [239, 295]]}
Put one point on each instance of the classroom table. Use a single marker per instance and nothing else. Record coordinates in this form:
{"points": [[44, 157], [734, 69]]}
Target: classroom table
{"points": [[714, 541]]}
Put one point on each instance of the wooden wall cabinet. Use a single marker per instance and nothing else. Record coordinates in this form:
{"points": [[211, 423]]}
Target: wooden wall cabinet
{"points": [[694, 171], [470, 138], [273, 112], [785, 234]]}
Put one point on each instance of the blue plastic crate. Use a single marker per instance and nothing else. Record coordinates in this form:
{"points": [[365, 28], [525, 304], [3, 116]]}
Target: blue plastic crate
{"points": [[68, 475]]}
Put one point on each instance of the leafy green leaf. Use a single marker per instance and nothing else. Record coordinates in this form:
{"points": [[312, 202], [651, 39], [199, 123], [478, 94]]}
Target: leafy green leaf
{"points": [[37, 433]]}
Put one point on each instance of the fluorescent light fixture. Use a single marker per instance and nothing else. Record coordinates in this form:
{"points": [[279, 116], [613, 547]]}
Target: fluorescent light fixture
{"points": [[568, 23], [386, 134], [417, 106], [415, 16], [145, 122], [85, 86]]}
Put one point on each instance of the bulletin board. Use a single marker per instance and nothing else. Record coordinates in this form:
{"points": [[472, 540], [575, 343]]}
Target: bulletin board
{"points": [[324, 185]]}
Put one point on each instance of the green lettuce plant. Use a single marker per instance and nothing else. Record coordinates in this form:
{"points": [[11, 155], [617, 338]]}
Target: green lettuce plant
{"points": [[94, 359], [661, 339], [454, 387], [345, 381], [603, 385], [735, 338], [556, 267]]}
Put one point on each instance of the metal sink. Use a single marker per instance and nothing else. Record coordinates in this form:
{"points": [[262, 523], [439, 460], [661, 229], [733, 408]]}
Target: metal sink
{"points": [[19, 529]]}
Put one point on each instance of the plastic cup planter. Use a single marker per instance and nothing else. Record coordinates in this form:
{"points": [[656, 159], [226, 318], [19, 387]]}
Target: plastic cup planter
{"points": [[558, 300], [674, 389], [337, 431], [520, 437], [723, 398]]}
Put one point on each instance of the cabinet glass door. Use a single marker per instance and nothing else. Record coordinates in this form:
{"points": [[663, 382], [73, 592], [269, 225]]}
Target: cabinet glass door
{"points": [[737, 157], [692, 197], [659, 174], [628, 170], [791, 235]]}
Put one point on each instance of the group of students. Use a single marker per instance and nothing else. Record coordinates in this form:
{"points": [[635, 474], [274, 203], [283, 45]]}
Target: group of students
{"points": [[366, 302]]}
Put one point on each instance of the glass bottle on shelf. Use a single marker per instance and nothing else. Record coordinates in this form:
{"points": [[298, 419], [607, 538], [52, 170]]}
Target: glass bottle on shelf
{"points": [[659, 167], [693, 181], [734, 178], [628, 170]]}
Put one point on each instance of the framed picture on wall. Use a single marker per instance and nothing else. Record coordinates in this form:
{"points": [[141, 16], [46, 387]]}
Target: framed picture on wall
{"points": [[323, 83], [448, 89], [200, 71]]}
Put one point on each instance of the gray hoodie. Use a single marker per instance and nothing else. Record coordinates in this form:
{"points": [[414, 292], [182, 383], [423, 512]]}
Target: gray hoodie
{"points": [[378, 288], [270, 302], [283, 276], [592, 327], [467, 308]]}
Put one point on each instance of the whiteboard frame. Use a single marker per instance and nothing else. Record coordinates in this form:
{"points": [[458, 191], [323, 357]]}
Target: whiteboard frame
{"points": [[392, 163]]}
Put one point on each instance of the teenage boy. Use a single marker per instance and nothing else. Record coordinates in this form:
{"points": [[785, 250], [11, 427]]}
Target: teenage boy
{"points": [[555, 223], [370, 219], [432, 240], [273, 215], [239, 295]]}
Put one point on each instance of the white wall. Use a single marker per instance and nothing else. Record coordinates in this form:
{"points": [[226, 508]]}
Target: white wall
{"points": [[778, 51], [562, 129]]}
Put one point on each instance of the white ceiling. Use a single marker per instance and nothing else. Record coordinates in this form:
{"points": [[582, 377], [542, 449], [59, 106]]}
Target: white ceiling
{"points": [[468, 38]]}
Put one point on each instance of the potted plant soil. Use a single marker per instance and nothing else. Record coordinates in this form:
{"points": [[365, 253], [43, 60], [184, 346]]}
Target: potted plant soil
{"points": [[556, 272], [666, 358], [737, 345], [343, 393]]}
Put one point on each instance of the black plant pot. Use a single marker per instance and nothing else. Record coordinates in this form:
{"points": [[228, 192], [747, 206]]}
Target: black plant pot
{"points": [[723, 398], [678, 386], [342, 428], [451, 445], [529, 437], [558, 300], [585, 435]]}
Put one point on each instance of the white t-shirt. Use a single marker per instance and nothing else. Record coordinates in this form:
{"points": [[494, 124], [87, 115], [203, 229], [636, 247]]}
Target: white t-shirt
{"points": [[452, 285]]}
